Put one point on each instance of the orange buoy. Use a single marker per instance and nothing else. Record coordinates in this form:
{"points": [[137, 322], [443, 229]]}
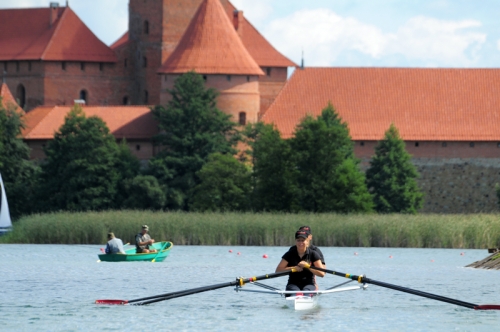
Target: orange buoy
{"points": [[264, 256]]}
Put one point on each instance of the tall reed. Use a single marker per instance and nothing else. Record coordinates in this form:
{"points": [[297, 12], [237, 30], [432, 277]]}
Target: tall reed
{"points": [[263, 229]]}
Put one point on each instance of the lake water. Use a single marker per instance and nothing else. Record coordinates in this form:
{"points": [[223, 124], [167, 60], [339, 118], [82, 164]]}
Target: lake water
{"points": [[53, 288]]}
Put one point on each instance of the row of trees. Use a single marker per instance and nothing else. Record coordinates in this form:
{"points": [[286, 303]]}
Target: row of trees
{"points": [[198, 168]]}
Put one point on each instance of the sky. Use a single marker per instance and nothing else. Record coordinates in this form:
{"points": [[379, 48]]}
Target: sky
{"points": [[345, 33]]}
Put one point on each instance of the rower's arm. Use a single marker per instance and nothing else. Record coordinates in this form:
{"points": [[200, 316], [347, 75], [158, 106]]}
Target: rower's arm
{"points": [[319, 264]]}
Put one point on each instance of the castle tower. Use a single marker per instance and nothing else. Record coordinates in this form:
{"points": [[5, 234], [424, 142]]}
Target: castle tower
{"points": [[155, 28], [211, 47]]}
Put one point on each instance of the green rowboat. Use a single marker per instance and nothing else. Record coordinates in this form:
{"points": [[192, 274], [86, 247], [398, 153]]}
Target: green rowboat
{"points": [[131, 256]]}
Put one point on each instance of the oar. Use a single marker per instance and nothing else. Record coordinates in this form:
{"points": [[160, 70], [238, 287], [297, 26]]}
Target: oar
{"points": [[365, 280], [162, 248], [168, 296]]}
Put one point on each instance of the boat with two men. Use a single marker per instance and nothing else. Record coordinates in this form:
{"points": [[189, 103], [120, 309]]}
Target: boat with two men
{"points": [[130, 255]]}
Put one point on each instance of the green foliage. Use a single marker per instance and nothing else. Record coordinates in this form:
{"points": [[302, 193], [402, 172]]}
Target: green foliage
{"points": [[80, 172], [327, 175], [477, 231], [128, 167], [143, 193], [391, 177], [274, 173], [18, 172], [224, 185], [497, 191], [192, 128]]}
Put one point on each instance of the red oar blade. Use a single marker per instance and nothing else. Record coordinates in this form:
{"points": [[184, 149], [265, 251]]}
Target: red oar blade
{"points": [[111, 302], [487, 307]]}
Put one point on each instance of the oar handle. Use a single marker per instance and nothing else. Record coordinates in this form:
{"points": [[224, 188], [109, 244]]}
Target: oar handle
{"points": [[365, 280]]}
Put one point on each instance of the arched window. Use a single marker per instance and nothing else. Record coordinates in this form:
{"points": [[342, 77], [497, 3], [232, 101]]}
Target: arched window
{"points": [[243, 118], [125, 100], [146, 27], [83, 96], [146, 96], [144, 62], [21, 95]]}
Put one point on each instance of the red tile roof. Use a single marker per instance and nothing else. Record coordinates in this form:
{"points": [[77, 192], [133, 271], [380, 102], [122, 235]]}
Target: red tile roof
{"points": [[258, 47], [210, 45], [26, 34], [8, 99], [120, 42], [424, 104], [130, 122]]}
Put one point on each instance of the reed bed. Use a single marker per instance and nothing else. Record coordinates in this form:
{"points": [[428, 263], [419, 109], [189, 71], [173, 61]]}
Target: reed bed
{"points": [[267, 229]]}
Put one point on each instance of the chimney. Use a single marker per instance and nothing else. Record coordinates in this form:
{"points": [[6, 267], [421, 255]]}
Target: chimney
{"points": [[54, 11], [238, 22]]}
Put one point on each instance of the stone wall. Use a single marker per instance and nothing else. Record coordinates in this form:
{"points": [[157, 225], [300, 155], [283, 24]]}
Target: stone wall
{"points": [[457, 185]]}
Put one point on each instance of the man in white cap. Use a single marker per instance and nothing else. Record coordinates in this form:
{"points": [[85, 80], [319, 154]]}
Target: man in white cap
{"points": [[143, 241]]}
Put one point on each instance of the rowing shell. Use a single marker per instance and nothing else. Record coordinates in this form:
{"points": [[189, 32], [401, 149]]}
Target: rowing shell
{"points": [[303, 300]]}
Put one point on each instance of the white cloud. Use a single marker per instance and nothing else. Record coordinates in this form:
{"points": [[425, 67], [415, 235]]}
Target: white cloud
{"points": [[256, 11], [498, 44], [325, 36], [437, 40]]}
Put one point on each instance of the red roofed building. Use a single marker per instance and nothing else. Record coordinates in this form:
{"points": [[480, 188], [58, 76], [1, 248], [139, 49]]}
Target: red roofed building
{"points": [[211, 47], [133, 123], [449, 119], [49, 57]]}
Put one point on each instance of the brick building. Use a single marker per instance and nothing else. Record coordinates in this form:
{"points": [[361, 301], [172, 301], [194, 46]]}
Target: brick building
{"points": [[56, 59], [447, 117]]}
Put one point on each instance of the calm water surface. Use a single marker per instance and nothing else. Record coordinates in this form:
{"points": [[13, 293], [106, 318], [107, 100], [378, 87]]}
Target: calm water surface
{"points": [[53, 288]]}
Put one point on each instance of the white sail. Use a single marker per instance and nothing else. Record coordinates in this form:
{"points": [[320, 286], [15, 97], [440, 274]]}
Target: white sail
{"points": [[5, 222]]}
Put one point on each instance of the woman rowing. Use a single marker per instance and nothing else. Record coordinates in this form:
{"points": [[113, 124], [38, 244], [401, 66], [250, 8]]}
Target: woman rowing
{"points": [[296, 258]]}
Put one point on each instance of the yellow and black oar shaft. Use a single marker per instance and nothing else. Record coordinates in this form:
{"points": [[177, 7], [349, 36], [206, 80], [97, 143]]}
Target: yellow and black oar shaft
{"points": [[173, 295], [364, 280]]}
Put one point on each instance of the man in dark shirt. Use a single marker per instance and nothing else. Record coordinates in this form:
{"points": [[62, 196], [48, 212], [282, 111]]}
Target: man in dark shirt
{"points": [[143, 241]]}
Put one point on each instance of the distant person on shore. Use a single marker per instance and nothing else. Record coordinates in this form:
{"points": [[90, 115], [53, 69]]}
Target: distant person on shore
{"points": [[115, 245], [296, 258], [143, 241], [307, 229]]}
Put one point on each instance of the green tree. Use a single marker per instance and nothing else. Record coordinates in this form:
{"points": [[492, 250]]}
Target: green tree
{"points": [[191, 128], [143, 193], [391, 177], [19, 174], [224, 185], [128, 167], [80, 172], [328, 177], [274, 173]]}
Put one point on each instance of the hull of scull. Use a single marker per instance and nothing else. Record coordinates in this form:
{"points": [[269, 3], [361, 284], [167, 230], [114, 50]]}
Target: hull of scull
{"points": [[302, 302]]}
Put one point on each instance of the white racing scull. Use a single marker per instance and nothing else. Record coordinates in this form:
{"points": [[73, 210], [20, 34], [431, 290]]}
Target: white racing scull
{"points": [[303, 300]]}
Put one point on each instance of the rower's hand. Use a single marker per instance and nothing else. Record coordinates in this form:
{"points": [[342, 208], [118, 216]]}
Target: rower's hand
{"points": [[302, 264], [298, 268]]}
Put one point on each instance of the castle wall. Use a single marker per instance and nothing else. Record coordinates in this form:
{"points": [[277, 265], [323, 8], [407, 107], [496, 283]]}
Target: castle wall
{"points": [[456, 178], [270, 85]]}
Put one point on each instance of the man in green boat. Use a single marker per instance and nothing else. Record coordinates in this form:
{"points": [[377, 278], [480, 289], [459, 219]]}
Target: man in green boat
{"points": [[296, 258], [143, 241], [115, 245]]}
